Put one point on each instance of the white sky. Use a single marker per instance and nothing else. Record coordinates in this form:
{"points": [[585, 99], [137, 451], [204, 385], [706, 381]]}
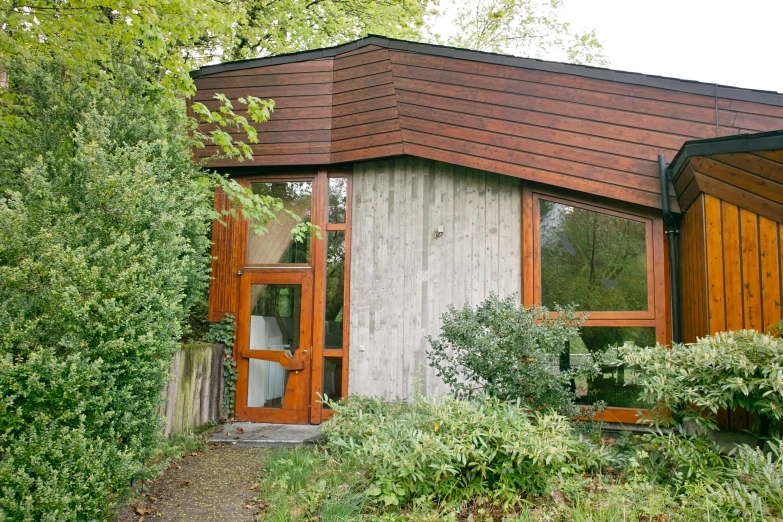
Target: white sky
{"points": [[731, 42]]}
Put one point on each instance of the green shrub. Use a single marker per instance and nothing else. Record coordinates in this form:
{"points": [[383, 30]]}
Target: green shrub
{"points": [[450, 449], [730, 370], [103, 250], [502, 349]]}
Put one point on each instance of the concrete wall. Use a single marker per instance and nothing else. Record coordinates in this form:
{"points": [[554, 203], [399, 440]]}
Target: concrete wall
{"points": [[403, 277], [194, 392]]}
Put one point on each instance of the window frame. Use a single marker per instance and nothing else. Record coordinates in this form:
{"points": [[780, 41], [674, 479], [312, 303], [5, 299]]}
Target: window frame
{"points": [[658, 313]]}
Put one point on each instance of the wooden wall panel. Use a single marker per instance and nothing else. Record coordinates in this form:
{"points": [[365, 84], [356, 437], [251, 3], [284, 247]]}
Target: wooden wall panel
{"points": [[227, 241], [743, 262], [299, 131], [598, 136], [693, 273], [405, 277], [364, 86]]}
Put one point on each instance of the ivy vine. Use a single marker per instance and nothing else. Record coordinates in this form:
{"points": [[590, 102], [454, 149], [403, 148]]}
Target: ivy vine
{"points": [[223, 333]]}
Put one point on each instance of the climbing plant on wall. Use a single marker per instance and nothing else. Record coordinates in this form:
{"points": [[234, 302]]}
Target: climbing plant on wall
{"points": [[223, 333]]}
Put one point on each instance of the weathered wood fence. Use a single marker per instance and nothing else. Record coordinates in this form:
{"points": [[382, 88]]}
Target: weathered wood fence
{"points": [[194, 392]]}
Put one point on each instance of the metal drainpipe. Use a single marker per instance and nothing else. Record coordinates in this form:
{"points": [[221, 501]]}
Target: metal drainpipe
{"points": [[672, 233]]}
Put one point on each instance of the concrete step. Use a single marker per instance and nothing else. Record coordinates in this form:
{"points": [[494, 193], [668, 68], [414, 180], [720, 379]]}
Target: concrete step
{"points": [[265, 435]]}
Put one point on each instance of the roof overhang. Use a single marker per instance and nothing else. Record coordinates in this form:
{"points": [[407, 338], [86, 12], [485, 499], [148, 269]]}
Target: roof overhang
{"points": [[600, 73]]}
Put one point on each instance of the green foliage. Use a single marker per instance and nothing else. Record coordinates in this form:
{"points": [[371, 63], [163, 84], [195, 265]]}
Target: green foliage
{"points": [[454, 450], [525, 28], [309, 484], [84, 34], [225, 117], [403, 448], [223, 333], [748, 487], [103, 251], [295, 25], [730, 370], [502, 349]]}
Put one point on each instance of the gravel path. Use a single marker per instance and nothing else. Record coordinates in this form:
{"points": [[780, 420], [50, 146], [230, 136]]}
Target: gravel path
{"points": [[217, 485]]}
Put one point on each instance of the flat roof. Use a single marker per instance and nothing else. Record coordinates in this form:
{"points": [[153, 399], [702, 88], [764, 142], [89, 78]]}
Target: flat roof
{"points": [[600, 73]]}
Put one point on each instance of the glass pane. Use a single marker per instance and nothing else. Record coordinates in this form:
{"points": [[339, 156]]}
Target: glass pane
{"points": [[595, 260], [335, 288], [274, 325], [615, 384], [276, 245], [333, 377], [337, 194]]}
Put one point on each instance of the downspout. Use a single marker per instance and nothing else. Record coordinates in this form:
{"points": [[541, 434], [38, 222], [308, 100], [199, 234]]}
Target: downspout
{"points": [[672, 233]]}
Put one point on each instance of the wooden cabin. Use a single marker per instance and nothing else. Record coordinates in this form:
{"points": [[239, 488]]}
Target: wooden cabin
{"points": [[438, 175]]}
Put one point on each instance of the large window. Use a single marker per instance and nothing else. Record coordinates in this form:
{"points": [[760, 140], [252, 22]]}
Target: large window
{"points": [[606, 262]]}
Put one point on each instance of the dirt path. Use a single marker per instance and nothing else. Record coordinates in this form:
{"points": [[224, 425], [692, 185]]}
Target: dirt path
{"points": [[213, 486]]}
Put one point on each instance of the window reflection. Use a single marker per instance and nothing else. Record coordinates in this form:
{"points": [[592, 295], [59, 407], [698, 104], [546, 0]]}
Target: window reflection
{"points": [[615, 384], [335, 288], [597, 261], [276, 246], [337, 199], [333, 374]]}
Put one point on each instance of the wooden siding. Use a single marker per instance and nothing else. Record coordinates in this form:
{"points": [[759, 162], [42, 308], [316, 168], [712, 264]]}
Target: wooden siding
{"points": [[593, 135], [365, 119], [731, 263], [693, 273], [406, 277], [300, 130], [751, 180], [226, 238]]}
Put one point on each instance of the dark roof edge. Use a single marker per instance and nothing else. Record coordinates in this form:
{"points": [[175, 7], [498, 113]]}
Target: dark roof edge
{"points": [[725, 145], [599, 73]]}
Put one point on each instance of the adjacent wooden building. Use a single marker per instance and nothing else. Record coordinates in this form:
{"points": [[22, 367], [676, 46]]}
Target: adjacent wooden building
{"points": [[439, 175]]}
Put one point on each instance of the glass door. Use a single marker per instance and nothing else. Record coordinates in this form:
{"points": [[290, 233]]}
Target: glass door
{"points": [[274, 346]]}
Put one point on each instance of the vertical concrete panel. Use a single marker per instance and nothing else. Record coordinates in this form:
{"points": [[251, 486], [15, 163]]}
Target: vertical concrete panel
{"points": [[403, 277]]}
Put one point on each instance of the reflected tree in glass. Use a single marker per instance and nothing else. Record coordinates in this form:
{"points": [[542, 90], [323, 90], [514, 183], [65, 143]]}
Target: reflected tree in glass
{"points": [[597, 261], [335, 288], [337, 200]]}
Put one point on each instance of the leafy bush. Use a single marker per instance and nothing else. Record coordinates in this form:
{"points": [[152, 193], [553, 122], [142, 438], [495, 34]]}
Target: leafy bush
{"points": [[748, 487], [103, 250], [451, 449], [730, 370], [504, 350]]}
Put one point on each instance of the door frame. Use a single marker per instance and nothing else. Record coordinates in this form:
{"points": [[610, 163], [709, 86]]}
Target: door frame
{"points": [[298, 397]]}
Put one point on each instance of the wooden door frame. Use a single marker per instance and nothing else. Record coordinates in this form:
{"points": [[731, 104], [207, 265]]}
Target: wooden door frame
{"points": [[298, 412], [319, 177]]}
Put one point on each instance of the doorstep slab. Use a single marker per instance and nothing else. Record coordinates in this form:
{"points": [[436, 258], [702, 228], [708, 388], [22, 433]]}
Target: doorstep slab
{"points": [[266, 435]]}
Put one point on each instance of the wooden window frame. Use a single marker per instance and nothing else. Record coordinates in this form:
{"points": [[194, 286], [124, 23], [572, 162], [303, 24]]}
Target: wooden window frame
{"points": [[318, 412], [657, 269]]}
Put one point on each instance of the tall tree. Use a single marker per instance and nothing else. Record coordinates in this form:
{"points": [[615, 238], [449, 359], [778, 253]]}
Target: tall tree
{"points": [[531, 28], [282, 26]]}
